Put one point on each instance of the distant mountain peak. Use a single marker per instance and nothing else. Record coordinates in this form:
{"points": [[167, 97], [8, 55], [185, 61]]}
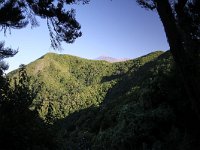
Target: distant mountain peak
{"points": [[111, 59]]}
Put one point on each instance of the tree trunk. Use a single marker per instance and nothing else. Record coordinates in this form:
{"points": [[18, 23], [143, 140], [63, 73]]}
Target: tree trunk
{"points": [[185, 52]]}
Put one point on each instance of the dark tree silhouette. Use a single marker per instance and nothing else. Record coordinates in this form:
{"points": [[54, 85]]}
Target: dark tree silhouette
{"points": [[20, 127], [181, 23], [61, 23], [5, 53]]}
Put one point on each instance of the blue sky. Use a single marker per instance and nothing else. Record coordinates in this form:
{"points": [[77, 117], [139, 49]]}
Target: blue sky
{"points": [[116, 28]]}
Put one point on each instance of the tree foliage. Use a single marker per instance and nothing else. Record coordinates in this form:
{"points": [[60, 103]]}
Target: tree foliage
{"points": [[137, 104], [5, 53], [146, 109], [61, 23], [20, 127], [180, 19]]}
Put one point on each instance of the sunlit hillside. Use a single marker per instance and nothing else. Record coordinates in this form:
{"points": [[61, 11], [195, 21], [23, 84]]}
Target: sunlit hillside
{"points": [[137, 104], [69, 83]]}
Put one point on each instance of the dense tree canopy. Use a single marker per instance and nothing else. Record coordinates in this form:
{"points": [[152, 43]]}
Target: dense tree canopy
{"points": [[138, 104], [142, 106]]}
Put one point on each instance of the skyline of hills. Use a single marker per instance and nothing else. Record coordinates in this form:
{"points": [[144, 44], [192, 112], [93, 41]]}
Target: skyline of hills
{"points": [[111, 59], [85, 81]]}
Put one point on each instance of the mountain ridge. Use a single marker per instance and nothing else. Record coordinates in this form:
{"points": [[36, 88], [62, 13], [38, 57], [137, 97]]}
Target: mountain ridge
{"points": [[61, 72], [97, 105], [111, 59]]}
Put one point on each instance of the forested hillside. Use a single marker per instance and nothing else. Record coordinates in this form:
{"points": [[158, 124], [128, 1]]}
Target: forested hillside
{"points": [[138, 104], [69, 83]]}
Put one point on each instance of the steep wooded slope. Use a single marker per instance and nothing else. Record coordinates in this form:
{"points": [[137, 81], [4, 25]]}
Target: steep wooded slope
{"points": [[68, 83], [138, 104]]}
